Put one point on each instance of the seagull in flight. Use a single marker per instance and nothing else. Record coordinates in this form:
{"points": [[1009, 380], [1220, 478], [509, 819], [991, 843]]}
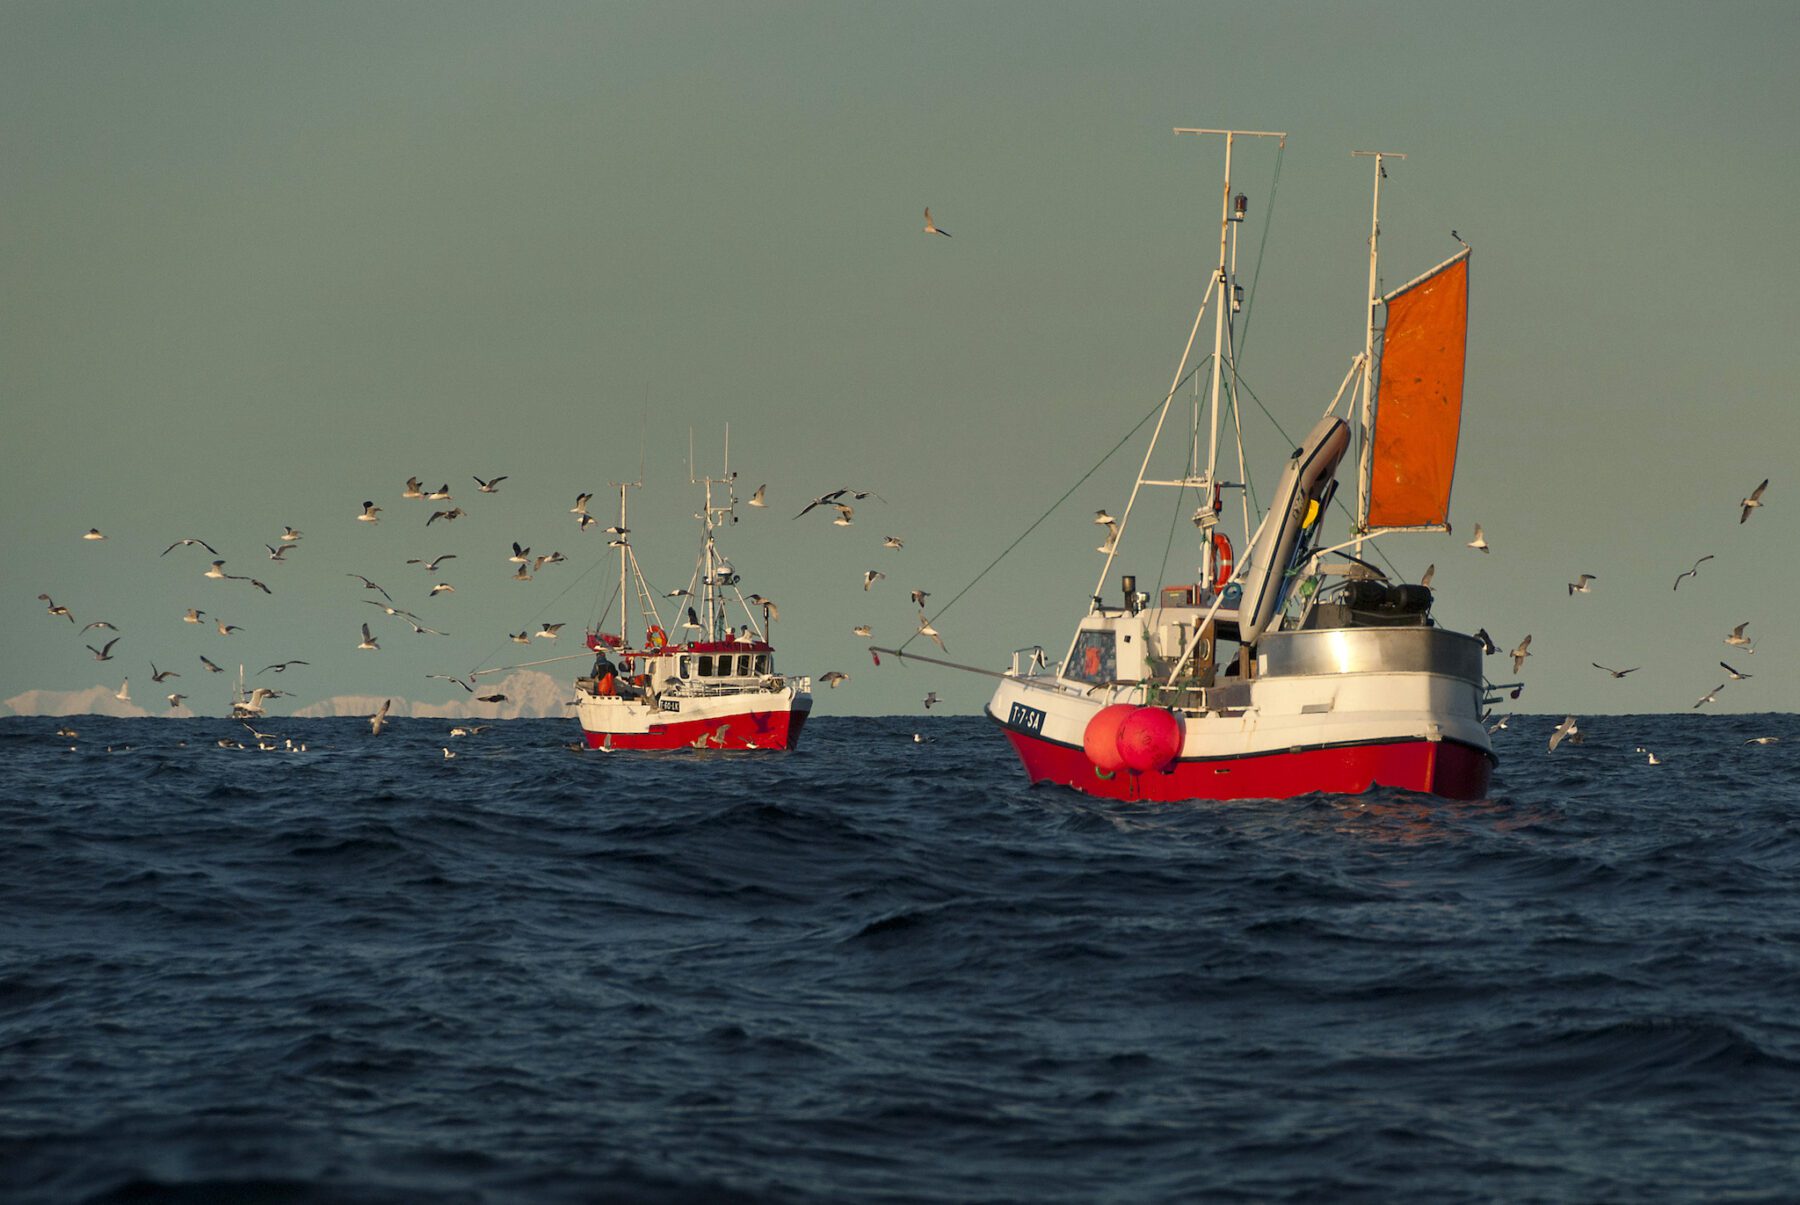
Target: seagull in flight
{"points": [[518, 638], [871, 576], [757, 499], [431, 565], [490, 698], [1104, 519], [1563, 730], [832, 678], [521, 555], [188, 541], [98, 623], [279, 555], [194, 615], [162, 675], [123, 695], [379, 718], [175, 701], [1736, 675], [281, 666], [1753, 501], [448, 678], [1479, 543], [930, 699], [448, 516], [925, 629], [1582, 586], [104, 652], [210, 667], [1737, 639], [1617, 673], [1762, 740], [54, 609], [1711, 696], [93, 533], [370, 513], [369, 585], [581, 503], [1519, 654], [919, 597], [823, 500], [414, 489], [490, 486], [1488, 647], [226, 629], [369, 643], [549, 631], [288, 535], [892, 542], [845, 510], [862, 629], [1694, 572], [1430, 572], [442, 588], [931, 227]]}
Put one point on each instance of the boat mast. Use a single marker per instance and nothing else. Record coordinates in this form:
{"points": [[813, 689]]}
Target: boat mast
{"points": [[1366, 425], [624, 542]]}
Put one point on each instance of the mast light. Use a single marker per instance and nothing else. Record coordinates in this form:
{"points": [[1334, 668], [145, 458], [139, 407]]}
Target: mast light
{"points": [[1240, 205]]}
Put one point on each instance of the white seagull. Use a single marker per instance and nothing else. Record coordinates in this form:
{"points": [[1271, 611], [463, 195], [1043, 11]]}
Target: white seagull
{"points": [[1582, 586], [931, 227], [1753, 501], [371, 513], [1711, 696], [93, 533], [1519, 654], [380, 717], [756, 499], [1694, 572], [1737, 639], [1479, 543], [832, 678], [1563, 730], [870, 577], [368, 642]]}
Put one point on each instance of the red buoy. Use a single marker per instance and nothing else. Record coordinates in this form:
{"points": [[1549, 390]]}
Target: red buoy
{"points": [[1100, 740], [1149, 739]]}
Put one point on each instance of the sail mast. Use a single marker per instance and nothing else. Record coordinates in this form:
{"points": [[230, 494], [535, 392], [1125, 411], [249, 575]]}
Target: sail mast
{"points": [[1366, 424]]}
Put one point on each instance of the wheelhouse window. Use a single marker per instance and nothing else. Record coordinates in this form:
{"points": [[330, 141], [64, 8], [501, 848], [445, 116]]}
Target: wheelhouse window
{"points": [[762, 663], [685, 666], [744, 665], [706, 665], [1094, 659]]}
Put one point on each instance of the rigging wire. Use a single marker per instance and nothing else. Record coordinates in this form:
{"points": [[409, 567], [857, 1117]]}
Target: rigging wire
{"points": [[1005, 552]]}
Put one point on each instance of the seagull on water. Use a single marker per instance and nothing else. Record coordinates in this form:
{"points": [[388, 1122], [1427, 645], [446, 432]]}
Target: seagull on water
{"points": [[447, 754], [1753, 501], [1563, 730], [931, 227], [1479, 543], [1582, 586], [54, 609], [1519, 654], [1617, 673]]}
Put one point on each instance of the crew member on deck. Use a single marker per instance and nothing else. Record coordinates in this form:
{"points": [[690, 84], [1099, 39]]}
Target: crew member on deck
{"points": [[605, 674]]}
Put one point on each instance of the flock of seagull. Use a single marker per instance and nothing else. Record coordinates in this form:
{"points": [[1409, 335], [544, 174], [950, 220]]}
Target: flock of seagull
{"points": [[841, 503], [1569, 729]]}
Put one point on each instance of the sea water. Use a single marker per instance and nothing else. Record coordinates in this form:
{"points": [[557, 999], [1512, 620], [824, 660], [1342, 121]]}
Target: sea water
{"points": [[886, 968]]}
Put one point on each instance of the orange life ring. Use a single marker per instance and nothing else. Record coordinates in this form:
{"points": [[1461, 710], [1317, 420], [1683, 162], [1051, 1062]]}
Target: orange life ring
{"points": [[1221, 560], [655, 637]]}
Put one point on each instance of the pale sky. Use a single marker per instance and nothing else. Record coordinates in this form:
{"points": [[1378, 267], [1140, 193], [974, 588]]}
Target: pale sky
{"points": [[263, 262]]}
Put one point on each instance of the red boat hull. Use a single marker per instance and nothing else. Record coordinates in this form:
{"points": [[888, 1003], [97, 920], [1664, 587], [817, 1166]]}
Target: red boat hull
{"points": [[742, 730], [1445, 768]]}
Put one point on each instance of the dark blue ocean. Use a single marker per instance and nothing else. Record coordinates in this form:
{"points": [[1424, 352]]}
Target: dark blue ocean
{"points": [[877, 969]]}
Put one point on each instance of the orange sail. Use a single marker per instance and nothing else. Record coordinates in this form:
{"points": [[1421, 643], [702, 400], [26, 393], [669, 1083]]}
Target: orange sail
{"points": [[1419, 398]]}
